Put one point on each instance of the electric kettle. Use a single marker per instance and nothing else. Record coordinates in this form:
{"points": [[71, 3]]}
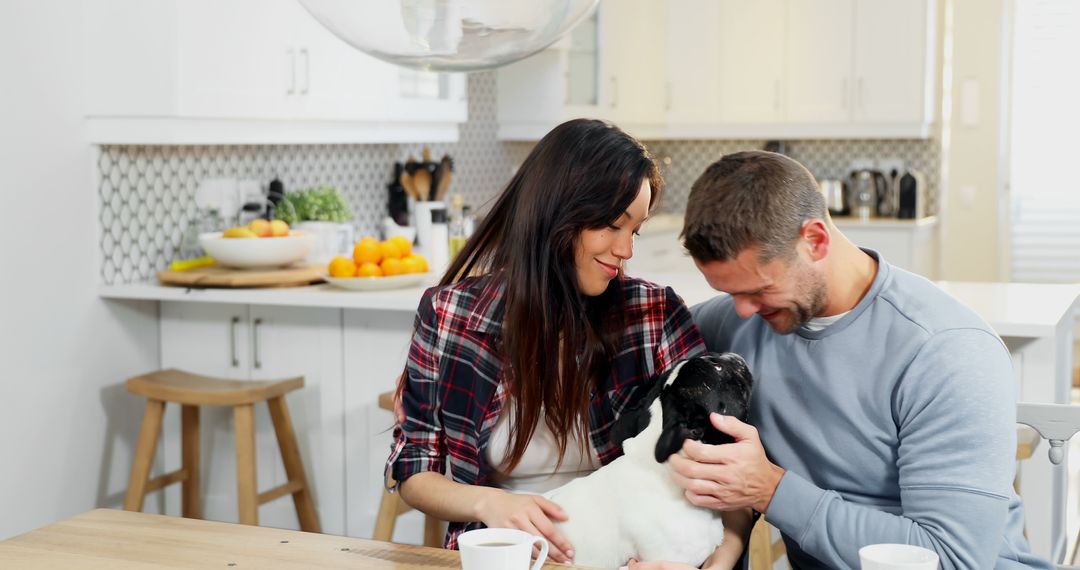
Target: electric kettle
{"points": [[867, 188]]}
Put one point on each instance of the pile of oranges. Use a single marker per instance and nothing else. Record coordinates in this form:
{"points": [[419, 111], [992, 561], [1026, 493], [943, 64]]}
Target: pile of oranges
{"points": [[374, 258]]}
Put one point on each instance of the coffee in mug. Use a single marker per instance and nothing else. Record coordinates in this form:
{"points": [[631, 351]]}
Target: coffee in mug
{"points": [[500, 549]]}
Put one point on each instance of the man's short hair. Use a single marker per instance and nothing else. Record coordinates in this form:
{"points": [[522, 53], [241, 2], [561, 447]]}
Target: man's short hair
{"points": [[750, 198]]}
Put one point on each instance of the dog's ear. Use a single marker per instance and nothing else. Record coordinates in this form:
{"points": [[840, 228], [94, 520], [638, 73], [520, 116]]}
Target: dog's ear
{"points": [[635, 418], [671, 440]]}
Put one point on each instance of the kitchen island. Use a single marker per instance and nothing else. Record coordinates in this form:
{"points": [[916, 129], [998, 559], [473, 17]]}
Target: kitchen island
{"points": [[352, 345]]}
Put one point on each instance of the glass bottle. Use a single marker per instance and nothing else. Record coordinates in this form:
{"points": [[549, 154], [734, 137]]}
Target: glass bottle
{"points": [[457, 232]]}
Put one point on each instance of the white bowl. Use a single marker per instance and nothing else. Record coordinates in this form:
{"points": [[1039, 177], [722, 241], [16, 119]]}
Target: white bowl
{"points": [[378, 283], [252, 253]]}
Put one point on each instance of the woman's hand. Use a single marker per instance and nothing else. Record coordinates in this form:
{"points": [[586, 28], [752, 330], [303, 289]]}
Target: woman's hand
{"points": [[530, 513]]}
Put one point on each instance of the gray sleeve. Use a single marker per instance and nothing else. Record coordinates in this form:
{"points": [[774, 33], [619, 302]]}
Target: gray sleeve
{"points": [[955, 412], [711, 318]]}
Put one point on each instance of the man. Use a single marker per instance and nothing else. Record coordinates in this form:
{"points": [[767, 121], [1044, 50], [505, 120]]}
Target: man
{"points": [[884, 410]]}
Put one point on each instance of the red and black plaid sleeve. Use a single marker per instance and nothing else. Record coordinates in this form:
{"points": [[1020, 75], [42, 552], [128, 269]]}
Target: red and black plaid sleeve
{"points": [[418, 445]]}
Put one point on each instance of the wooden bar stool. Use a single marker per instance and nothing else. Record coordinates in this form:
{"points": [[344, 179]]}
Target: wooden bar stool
{"points": [[391, 506], [191, 391]]}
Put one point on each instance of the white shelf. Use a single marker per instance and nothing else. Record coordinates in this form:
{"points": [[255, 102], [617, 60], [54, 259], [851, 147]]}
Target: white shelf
{"points": [[879, 223]]}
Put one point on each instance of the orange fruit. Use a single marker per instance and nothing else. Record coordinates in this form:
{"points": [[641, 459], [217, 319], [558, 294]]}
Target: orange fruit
{"points": [[392, 266], [403, 244], [421, 262], [367, 251], [389, 250], [368, 269], [278, 228], [411, 265], [260, 226], [342, 266]]}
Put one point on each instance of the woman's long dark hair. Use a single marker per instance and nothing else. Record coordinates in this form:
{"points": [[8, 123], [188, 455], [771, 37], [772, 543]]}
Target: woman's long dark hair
{"points": [[582, 175]]}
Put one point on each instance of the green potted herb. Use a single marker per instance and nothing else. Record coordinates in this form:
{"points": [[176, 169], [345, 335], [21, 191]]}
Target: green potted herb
{"points": [[324, 213]]}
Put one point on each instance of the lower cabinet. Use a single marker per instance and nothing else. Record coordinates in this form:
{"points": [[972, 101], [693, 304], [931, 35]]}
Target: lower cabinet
{"points": [[376, 346], [347, 358], [261, 343]]}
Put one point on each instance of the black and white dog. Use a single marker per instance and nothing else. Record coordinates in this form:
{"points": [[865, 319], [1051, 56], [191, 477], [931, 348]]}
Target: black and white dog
{"points": [[631, 508]]}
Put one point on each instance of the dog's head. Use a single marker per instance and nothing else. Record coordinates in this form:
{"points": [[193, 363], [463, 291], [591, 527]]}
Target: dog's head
{"points": [[689, 392]]}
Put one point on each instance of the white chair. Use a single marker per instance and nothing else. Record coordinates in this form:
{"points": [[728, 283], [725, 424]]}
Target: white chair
{"points": [[1056, 423]]}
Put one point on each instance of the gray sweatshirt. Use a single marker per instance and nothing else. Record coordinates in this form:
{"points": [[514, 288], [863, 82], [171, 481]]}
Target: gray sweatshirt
{"points": [[896, 423]]}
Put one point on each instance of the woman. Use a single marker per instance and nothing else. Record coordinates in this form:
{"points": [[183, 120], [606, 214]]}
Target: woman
{"points": [[534, 341]]}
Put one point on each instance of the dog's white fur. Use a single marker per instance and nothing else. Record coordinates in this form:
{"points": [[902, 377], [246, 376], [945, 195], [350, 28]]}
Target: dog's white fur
{"points": [[631, 508]]}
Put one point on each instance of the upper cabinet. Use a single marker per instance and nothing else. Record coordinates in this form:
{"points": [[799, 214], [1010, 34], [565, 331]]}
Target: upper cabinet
{"points": [[250, 71], [740, 69], [611, 66]]}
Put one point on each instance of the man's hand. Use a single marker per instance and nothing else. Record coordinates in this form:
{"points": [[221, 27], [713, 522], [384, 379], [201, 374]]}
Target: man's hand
{"points": [[729, 476]]}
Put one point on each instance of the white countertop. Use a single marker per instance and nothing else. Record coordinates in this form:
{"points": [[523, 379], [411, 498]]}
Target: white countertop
{"points": [[324, 295], [1028, 310]]}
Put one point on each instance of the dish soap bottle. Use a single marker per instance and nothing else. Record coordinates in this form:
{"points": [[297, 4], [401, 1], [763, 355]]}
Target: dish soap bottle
{"points": [[458, 234]]}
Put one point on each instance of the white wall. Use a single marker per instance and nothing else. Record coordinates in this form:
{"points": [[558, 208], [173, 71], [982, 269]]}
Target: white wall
{"points": [[67, 426], [973, 166]]}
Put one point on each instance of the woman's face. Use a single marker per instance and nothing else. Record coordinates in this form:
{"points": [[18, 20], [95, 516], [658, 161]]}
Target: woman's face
{"points": [[600, 252]]}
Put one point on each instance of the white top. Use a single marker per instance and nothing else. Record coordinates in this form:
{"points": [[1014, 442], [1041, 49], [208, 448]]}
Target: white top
{"points": [[535, 473], [821, 323]]}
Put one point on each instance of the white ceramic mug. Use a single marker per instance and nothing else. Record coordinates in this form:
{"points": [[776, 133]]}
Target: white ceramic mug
{"points": [[897, 557], [500, 549]]}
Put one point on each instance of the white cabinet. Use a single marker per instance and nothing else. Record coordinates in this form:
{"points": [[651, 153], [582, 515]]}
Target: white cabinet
{"points": [[693, 82], [248, 71], [376, 346], [894, 62], [261, 343], [908, 244], [610, 67], [751, 60], [736, 69], [819, 59]]}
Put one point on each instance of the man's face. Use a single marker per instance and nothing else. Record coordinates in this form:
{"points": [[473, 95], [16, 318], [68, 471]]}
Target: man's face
{"points": [[785, 292]]}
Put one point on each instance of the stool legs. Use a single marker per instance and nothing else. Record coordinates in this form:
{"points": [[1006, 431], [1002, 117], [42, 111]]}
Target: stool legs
{"points": [[191, 493], [294, 465], [144, 455], [246, 481]]}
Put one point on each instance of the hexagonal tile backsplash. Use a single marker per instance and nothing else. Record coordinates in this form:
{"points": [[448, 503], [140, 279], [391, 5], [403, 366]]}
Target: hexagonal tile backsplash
{"points": [[147, 192]]}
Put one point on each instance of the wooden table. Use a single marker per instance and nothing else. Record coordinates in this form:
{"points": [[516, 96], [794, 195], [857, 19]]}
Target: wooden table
{"points": [[111, 539]]}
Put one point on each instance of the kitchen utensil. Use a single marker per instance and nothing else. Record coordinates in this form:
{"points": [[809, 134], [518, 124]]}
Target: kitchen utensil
{"points": [[397, 204], [866, 186], [422, 184], [257, 252], [218, 276], [835, 197], [407, 184], [377, 283], [443, 175], [911, 195]]}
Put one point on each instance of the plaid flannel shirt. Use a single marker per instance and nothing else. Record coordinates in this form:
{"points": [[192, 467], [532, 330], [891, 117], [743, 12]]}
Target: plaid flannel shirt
{"points": [[455, 390]]}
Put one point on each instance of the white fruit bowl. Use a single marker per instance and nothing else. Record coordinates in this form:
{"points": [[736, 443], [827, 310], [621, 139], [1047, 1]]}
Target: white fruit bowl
{"points": [[257, 253]]}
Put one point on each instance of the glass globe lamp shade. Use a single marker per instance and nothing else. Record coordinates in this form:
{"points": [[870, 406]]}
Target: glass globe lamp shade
{"points": [[449, 35]]}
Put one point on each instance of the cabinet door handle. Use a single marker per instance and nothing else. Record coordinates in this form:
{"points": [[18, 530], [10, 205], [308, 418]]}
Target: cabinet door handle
{"points": [[776, 95], [290, 55], [566, 88], [844, 94], [667, 96], [257, 360], [232, 340], [614, 91], [307, 71]]}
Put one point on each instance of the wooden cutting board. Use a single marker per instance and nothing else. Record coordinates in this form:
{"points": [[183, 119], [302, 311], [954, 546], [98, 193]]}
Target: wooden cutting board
{"points": [[221, 276]]}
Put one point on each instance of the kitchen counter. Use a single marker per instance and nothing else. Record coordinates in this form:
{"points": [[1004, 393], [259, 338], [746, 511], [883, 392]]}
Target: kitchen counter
{"points": [[324, 295]]}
